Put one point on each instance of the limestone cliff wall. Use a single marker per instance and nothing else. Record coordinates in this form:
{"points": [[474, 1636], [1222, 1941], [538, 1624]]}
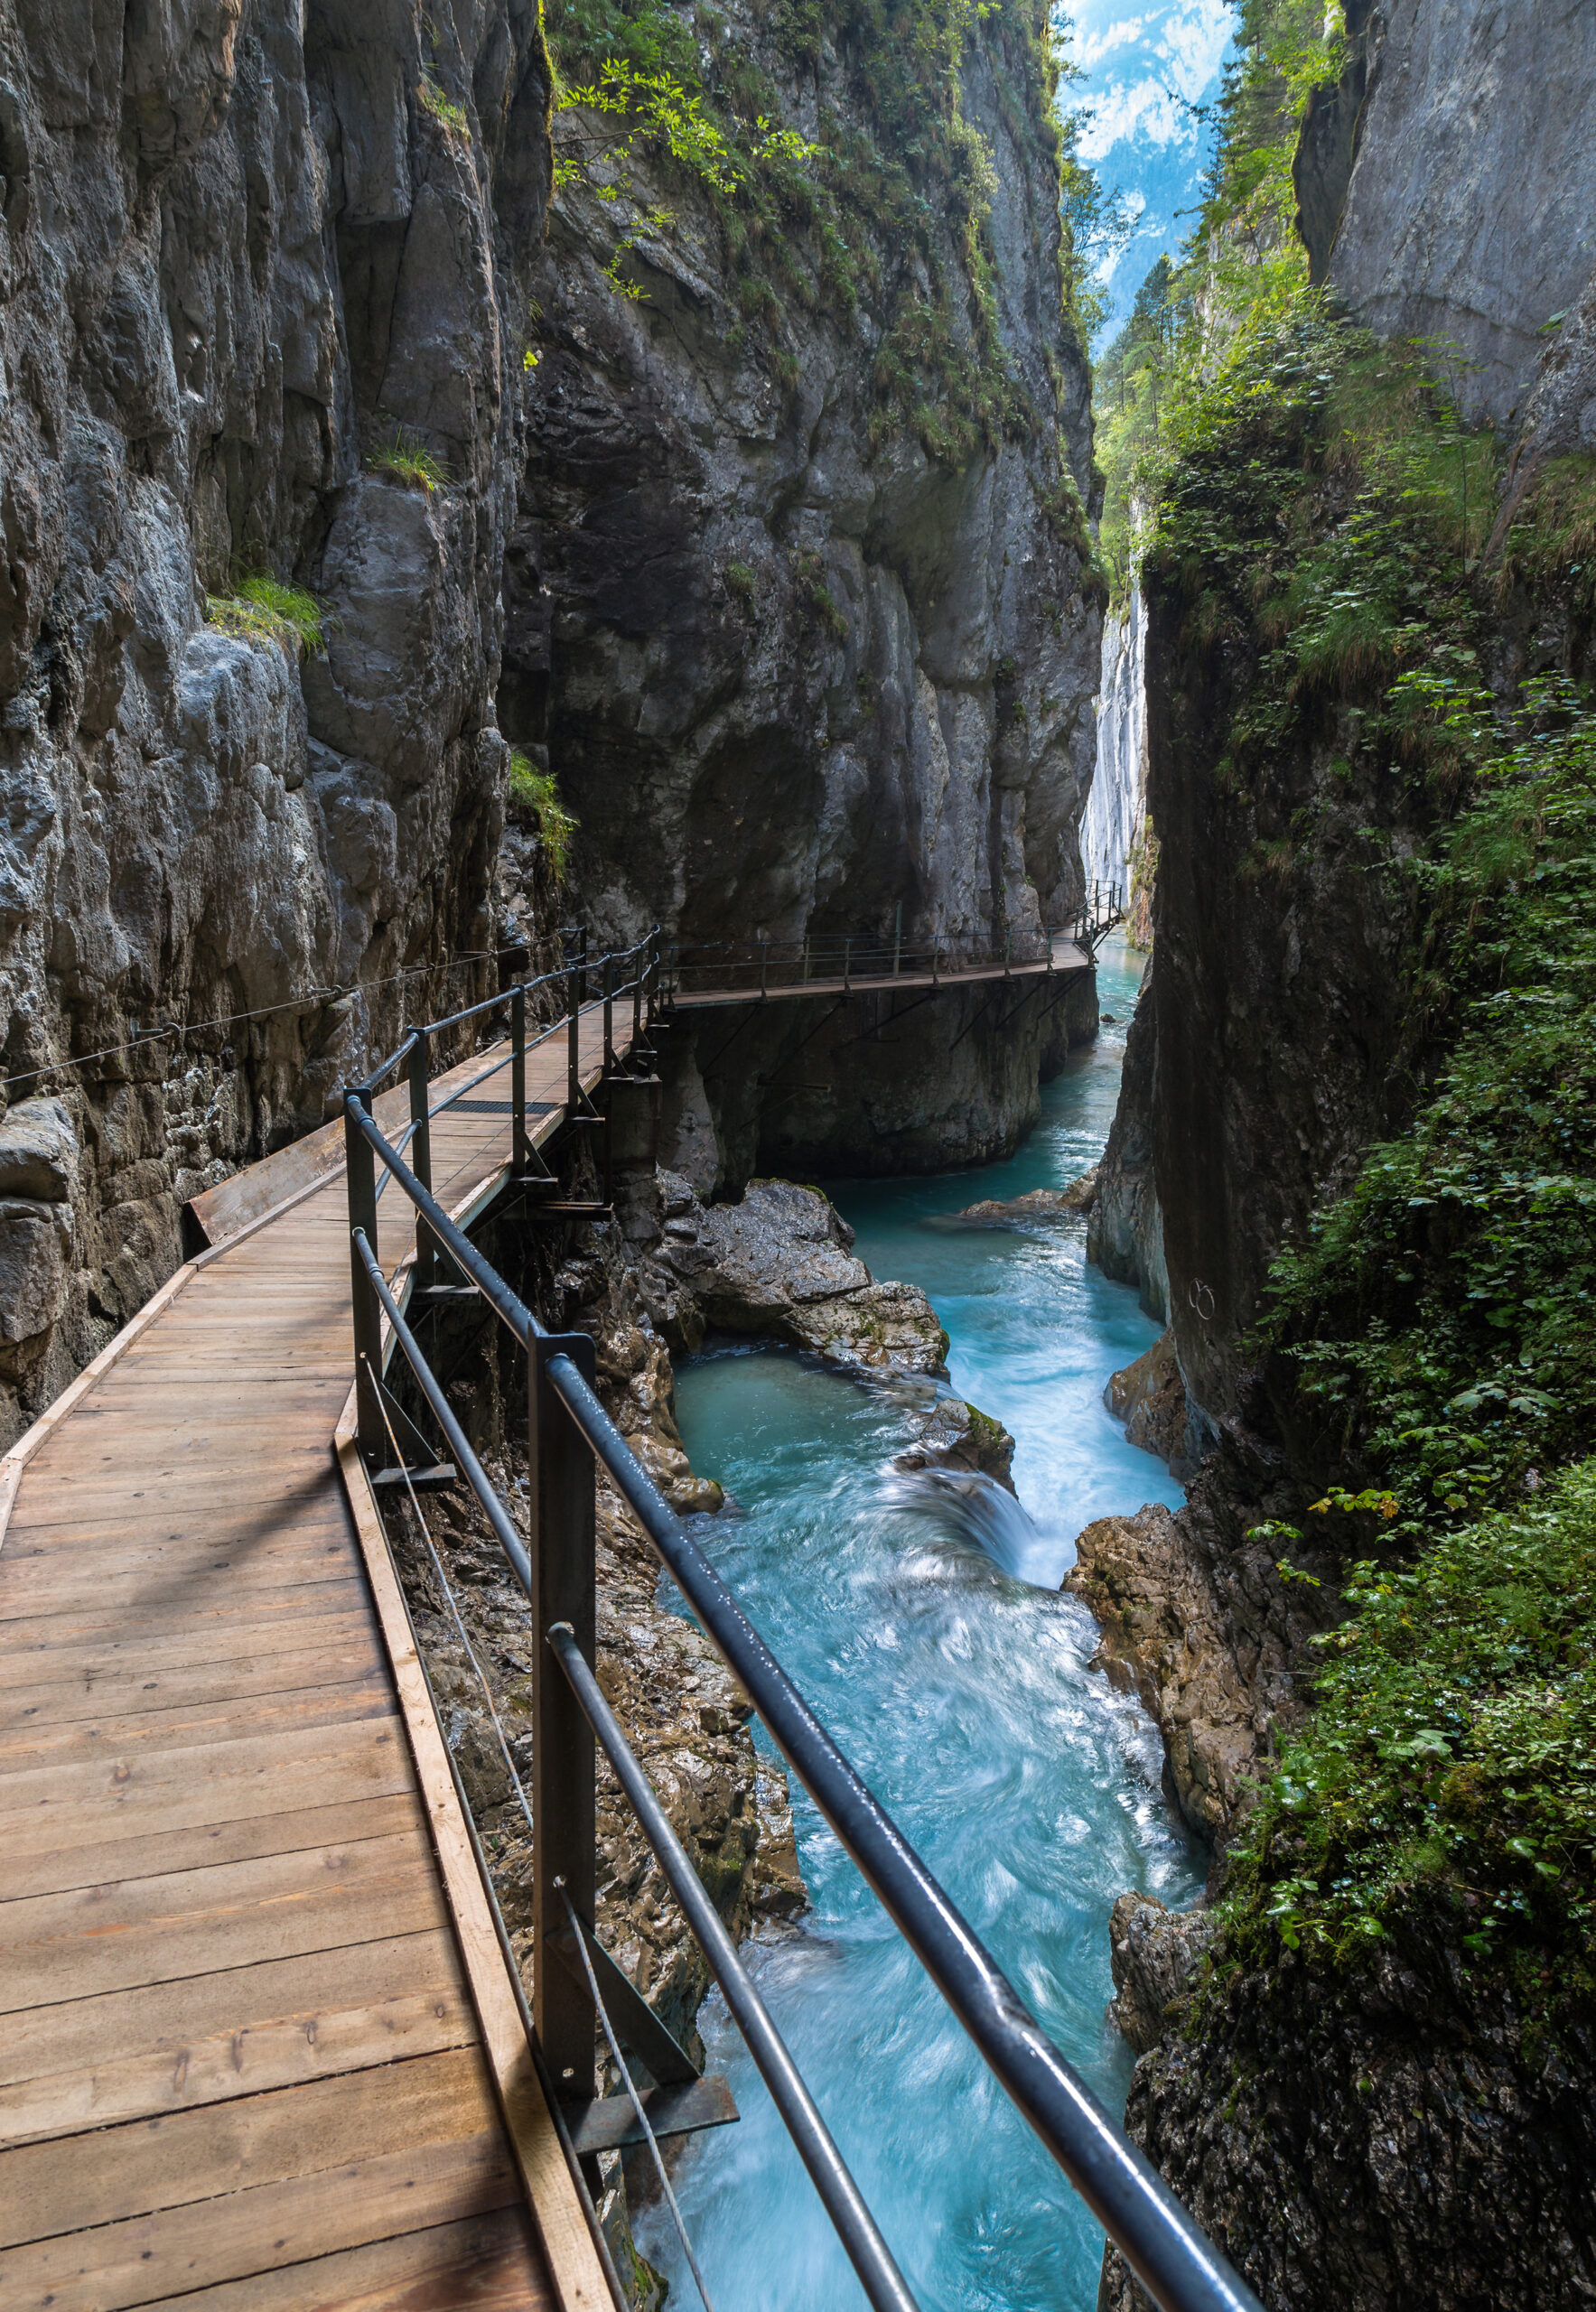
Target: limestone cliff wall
{"points": [[798, 659], [241, 246], [1463, 141]]}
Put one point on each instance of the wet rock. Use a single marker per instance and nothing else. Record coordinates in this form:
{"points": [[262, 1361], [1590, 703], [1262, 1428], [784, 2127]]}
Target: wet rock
{"points": [[1037, 1204], [1153, 1951], [781, 1264], [1150, 1397], [1164, 1638], [955, 1435]]}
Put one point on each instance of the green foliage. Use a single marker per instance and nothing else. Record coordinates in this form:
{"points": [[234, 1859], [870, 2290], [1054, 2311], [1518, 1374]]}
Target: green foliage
{"points": [[404, 459], [1440, 1316], [1551, 538], [741, 582], [263, 610], [1319, 518], [534, 800], [827, 221], [441, 107], [1448, 1773], [1241, 276]]}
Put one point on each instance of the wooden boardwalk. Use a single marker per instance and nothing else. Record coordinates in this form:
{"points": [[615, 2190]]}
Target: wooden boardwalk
{"points": [[257, 2045], [1065, 959]]}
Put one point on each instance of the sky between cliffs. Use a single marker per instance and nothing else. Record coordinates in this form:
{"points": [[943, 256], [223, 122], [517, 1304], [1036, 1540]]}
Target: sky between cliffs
{"points": [[1146, 67]]}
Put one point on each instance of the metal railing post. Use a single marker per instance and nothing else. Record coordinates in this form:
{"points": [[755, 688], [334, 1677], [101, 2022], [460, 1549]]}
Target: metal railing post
{"points": [[765, 970], [640, 966], [897, 937], [847, 951], [360, 1173], [520, 1155], [609, 987], [575, 974], [562, 1473], [421, 1158]]}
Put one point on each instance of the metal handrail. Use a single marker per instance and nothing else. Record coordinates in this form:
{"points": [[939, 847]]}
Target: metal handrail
{"points": [[1169, 2254]]}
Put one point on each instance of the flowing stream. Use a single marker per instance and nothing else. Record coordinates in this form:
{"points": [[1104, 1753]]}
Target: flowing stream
{"points": [[926, 1629]]}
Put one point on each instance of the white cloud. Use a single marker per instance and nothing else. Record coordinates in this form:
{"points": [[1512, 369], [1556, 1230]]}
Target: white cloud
{"points": [[1087, 48], [1147, 109], [1193, 44]]}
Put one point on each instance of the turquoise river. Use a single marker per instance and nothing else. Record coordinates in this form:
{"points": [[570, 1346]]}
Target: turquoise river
{"points": [[928, 1631]]}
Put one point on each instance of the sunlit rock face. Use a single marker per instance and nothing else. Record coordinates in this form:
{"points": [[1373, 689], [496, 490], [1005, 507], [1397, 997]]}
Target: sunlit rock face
{"points": [[796, 672], [1471, 190], [239, 252]]}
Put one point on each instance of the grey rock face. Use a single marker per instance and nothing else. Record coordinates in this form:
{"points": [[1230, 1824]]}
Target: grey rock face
{"points": [[1153, 1952], [1471, 211], [793, 671], [1125, 1234], [238, 252]]}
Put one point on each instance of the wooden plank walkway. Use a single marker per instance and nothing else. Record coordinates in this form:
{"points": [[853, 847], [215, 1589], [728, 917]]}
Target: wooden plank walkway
{"points": [[1067, 958], [258, 2049]]}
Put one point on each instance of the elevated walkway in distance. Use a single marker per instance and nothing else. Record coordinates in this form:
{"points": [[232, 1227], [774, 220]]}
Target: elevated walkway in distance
{"points": [[795, 976], [259, 2049]]}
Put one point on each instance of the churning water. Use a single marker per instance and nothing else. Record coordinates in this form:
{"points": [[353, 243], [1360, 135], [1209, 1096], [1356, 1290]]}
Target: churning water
{"points": [[923, 1620]]}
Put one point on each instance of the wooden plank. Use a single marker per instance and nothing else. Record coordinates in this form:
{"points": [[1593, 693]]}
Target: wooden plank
{"points": [[233, 1782], [182, 2156], [151, 2258], [169, 1630], [16, 1460], [110, 1937], [106, 1862], [78, 1742], [173, 2046], [490, 2264], [110, 1691], [562, 2226], [266, 1558]]}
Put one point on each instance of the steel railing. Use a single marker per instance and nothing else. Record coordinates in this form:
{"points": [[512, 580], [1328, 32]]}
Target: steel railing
{"points": [[826, 961], [569, 1437]]}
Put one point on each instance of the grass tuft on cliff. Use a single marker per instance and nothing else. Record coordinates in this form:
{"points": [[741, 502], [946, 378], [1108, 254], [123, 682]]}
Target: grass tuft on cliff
{"points": [[263, 610]]}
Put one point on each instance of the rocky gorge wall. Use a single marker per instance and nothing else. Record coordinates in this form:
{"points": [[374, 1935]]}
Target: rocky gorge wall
{"points": [[1375, 2113], [800, 596], [246, 251]]}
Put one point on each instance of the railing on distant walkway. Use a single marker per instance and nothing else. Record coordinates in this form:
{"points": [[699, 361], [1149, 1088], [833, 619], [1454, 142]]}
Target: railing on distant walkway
{"points": [[744, 969], [569, 1436]]}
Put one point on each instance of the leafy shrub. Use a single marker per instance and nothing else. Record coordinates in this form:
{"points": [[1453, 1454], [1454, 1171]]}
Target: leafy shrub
{"points": [[741, 582], [534, 801], [266, 610], [1448, 1773]]}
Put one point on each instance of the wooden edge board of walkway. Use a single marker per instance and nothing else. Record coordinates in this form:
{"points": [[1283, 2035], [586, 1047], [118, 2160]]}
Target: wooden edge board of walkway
{"points": [[562, 2225]]}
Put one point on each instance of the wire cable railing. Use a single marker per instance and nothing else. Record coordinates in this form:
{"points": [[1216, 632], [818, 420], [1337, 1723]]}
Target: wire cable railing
{"points": [[570, 1437]]}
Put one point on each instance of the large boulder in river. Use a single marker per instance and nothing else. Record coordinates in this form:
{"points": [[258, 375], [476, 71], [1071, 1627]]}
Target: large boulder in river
{"points": [[780, 1263], [1037, 1204]]}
